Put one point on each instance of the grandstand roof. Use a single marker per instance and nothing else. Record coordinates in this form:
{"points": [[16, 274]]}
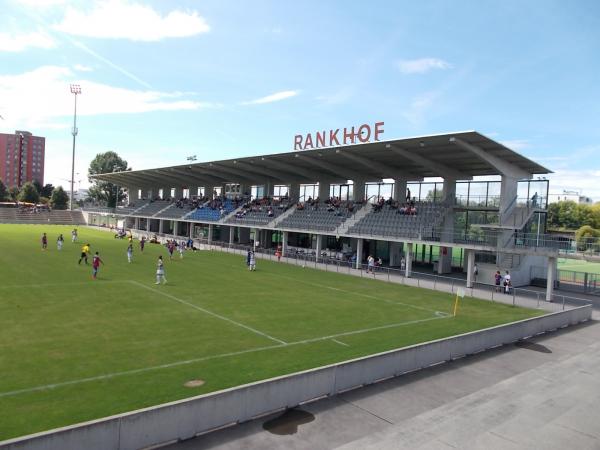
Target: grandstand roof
{"points": [[459, 156]]}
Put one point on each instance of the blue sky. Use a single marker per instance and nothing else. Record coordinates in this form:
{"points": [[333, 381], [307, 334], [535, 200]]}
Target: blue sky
{"points": [[219, 79]]}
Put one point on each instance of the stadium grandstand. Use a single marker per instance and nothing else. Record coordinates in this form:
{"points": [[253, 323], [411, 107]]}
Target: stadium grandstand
{"points": [[486, 205]]}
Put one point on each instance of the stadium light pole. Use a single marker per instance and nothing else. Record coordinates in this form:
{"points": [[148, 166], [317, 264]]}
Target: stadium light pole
{"points": [[75, 90]]}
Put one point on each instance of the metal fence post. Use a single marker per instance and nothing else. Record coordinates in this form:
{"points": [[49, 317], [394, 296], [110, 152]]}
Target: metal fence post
{"points": [[514, 296]]}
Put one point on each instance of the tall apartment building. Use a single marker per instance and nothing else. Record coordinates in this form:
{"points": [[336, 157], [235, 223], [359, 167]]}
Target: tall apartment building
{"points": [[21, 158]]}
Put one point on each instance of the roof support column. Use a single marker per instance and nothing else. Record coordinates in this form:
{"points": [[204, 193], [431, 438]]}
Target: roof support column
{"points": [[470, 254], [551, 276], [508, 194], [445, 257], [409, 259], [359, 253], [294, 191], [399, 193], [358, 190], [324, 188]]}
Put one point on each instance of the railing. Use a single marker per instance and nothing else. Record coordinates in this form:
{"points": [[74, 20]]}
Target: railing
{"points": [[524, 297]]}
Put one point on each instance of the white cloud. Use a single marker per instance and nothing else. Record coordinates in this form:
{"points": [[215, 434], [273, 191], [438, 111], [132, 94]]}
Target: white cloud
{"points": [[516, 144], [18, 42], [41, 99], [276, 97], [121, 19], [422, 65], [416, 113], [82, 68], [41, 3]]}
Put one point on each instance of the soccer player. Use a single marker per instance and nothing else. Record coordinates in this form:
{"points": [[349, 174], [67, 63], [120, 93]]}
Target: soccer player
{"points": [[160, 271], [252, 265], [142, 243], [74, 235], [130, 253], [44, 242], [171, 248], [84, 253], [59, 242], [181, 249], [96, 261]]}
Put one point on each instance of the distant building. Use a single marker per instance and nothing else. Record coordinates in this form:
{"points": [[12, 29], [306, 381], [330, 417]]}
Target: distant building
{"points": [[573, 196], [79, 194], [21, 158]]}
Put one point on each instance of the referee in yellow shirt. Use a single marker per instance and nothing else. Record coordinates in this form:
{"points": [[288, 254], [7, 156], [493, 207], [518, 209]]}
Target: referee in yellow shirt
{"points": [[84, 253]]}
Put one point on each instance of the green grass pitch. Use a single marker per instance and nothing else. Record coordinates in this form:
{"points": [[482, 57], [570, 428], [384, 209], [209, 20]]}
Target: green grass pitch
{"points": [[74, 349]]}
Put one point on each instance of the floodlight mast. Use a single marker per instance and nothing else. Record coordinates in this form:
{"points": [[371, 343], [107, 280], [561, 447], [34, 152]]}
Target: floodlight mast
{"points": [[75, 90]]}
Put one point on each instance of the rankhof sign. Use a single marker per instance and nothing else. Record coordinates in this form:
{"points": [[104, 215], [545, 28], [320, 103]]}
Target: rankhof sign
{"points": [[354, 135]]}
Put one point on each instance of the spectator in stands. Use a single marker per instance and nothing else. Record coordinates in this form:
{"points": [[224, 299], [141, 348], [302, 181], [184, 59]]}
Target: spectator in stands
{"points": [[402, 263], [408, 197]]}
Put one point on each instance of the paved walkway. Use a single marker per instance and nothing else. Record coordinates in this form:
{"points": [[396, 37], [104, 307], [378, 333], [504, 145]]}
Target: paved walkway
{"points": [[541, 394]]}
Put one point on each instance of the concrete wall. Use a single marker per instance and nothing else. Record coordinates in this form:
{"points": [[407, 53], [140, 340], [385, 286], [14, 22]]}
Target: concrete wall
{"points": [[185, 418]]}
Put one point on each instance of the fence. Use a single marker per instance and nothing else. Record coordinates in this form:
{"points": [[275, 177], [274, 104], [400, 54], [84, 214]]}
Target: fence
{"points": [[527, 298]]}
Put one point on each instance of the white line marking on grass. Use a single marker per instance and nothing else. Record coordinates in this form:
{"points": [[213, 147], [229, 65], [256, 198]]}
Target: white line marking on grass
{"points": [[331, 288], [210, 313], [341, 343], [135, 371], [73, 283], [206, 358]]}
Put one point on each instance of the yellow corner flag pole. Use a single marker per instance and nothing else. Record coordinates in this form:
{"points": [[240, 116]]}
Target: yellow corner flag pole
{"points": [[460, 293]]}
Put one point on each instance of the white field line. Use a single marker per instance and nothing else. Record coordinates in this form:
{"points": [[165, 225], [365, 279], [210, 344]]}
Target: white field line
{"points": [[206, 358], [210, 313], [372, 297], [341, 343], [72, 283]]}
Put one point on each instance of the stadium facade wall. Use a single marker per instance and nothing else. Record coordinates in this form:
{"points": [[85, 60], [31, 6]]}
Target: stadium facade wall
{"points": [[187, 418]]}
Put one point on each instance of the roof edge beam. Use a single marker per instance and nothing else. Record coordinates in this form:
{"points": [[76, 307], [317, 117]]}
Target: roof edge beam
{"points": [[386, 171], [441, 170], [505, 168]]}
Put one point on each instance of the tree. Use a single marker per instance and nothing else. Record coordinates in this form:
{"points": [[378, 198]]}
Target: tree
{"points": [[3, 192], [13, 193], [29, 193], [38, 186], [47, 190], [107, 162], [60, 199]]}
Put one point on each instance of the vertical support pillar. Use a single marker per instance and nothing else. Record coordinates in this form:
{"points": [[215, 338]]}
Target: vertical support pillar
{"points": [[160, 225], [318, 245], [359, 252], [191, 230], [409, 260], [470, 267], [284, 242], [445, 257], [550, 278], [324, 187], [210, 233], [136, 223], [231, 235], [294, 192], [175, 228], [400, 189], [358, 190]]}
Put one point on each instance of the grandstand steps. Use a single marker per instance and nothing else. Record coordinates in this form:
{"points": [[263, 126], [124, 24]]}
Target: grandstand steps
{"points": [[58, 217], [189, 214], [231, 215], [281, 217], [162, 210], [131, 213], [362, 212]]}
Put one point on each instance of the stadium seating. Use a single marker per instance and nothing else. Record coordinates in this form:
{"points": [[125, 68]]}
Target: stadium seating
{"points": [[208, 213], [174, 211], [388, 222], [60, 217], [257, 212], [318, 217], [152, 208]]}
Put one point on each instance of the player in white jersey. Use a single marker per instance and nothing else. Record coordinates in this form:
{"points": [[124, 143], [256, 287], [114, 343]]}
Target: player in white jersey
{"points": [[160, 271], [130, 253]]}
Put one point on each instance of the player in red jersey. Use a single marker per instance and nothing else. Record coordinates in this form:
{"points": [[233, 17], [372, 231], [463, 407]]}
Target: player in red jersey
{"points": [[96, 261], [44, 242]]}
